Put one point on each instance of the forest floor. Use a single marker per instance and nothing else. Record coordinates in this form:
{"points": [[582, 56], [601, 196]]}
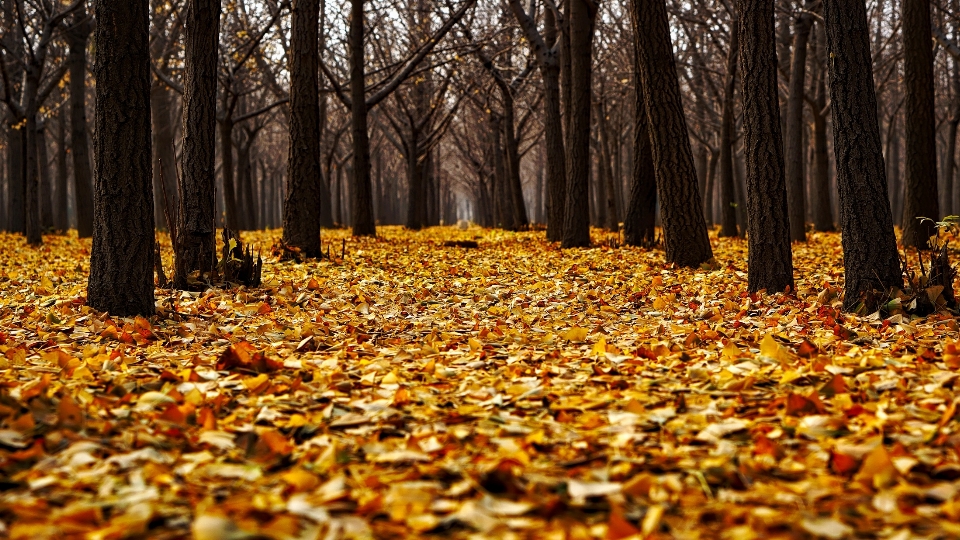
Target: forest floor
{"points": [[411, 389]]}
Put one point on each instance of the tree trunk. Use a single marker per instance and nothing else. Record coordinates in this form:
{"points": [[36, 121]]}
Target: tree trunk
{"points": [[684, 229], [822, 207], [164, 154], [62, 219], [228, 174], [576, 219], [870, 255], [416, 192], [31, 206], [953, 179], [302, 204], [518, 208], [556, 168], [46, 182], [121, 259], [728, 199], [77, 36], [921, 209], [794, 149], [639, 226], [196, 215], [770, 261], [15, 174], [360, 190]]}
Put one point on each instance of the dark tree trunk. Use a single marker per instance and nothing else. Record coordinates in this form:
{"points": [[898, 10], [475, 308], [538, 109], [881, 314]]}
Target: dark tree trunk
{"points": [[556, 168], [794, 149], [360, 190], [822, 207], [770, 261], [46, 181], [870, 255], [416, 192], [61, 219], [164, 155], [196, 218], [31, 206], [576, 219], [728, 198], [612, 222], [301, 207], [639, 226], [517, 208], [77, 36], [684, 230], [228, 173], [121, 260], [708, 196], [15, 183], [953, 181], [921, 207]]}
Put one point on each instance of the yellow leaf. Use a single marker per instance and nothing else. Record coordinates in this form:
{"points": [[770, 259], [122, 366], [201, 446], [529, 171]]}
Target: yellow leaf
{"points": [[575, 334], [600, 348]]}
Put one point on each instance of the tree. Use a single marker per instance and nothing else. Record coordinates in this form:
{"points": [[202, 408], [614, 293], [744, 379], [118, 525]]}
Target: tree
{"points": [[301, 206], [728, 197], [870, 256], [639, 225], [81, 25], [360, 103], [121, 259], [196, 226], [770, 261], [921, 207], [685, 232], [546, 49], [576, 214], [793, 144]]}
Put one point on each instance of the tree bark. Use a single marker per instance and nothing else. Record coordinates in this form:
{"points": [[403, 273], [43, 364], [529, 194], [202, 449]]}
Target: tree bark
{"points": [[196, 216], [360, 190], [121, 259], [770, 261], [164, 155], [46, 182], [639, 226], [685, 232], [870, 255], [15, 174], [556, 168], [822, 207], [576, 219], [301, 206], [794, 149], [921, 208], [728, 198], [77, 36]]}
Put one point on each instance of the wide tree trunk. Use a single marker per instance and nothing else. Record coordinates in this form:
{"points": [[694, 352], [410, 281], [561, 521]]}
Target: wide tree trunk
{"points": [[921, 209], [77, 37], [518, 208], [822, 207], [196, 217], [794, 149], [361, 190], [121, 259], [231, 211], [31, 206], [870, 255], [728, 197], [576, 219], [685, 232], [769, 261], [301, 206]]}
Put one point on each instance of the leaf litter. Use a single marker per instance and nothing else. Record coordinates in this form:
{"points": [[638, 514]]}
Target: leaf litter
{"points": [[473, 384]]}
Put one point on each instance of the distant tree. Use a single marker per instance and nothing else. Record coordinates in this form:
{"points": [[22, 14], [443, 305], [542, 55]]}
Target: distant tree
{"points": [[78, 34], [728, 197], [121, 259], [685, 232], [770, 261], [793, 121], [870, 257]]}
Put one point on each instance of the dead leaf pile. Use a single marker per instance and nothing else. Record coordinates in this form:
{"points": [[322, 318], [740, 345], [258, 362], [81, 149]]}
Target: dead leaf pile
{"points": [[509, 390]]}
